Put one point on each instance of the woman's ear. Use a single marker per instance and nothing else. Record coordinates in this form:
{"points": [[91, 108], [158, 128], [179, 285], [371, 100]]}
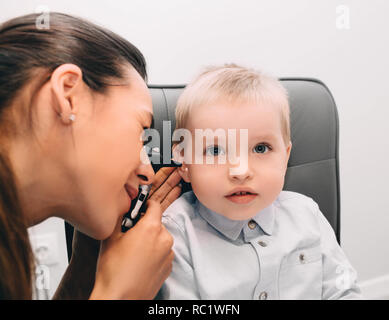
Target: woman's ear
{"points": [[66, 81]]}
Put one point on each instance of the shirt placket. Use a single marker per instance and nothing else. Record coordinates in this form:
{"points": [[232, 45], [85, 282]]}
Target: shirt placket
{"points": [[267, 286]]}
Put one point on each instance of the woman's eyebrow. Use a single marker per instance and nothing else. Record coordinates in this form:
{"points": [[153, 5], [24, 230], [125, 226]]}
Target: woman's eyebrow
{"points": [[151, 116]]}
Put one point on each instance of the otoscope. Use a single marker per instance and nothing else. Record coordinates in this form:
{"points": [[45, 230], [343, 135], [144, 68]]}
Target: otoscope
{"points": [[130, 219], [133, 216]]}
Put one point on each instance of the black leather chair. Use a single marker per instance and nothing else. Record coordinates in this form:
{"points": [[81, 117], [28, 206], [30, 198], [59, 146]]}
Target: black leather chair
{"points": [[313, 167]]}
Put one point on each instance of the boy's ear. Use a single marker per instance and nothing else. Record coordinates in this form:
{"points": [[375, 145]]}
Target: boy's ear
{"points": [[183, 171], [177, 157], [288, 149]]}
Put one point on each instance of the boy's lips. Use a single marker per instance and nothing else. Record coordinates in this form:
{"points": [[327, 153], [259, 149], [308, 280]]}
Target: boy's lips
{"points": [[242, 198], [241, 195], [241, 190]]}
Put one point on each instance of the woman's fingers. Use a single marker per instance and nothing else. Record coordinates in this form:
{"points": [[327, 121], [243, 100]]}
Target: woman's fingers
{"points": [[160, 176], [153, 214], [135, 265], [171, 197], [148, 240], [163, 183]]}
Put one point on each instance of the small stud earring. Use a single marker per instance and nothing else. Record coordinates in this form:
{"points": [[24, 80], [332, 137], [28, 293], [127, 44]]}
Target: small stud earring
{"points": [[72, 117]]}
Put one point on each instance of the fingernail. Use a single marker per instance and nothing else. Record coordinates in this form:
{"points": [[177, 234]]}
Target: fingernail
{"points": [[180, 185]]}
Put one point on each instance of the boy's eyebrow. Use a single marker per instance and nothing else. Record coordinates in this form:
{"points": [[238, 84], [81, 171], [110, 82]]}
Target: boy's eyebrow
{"points": [[265, 136]]}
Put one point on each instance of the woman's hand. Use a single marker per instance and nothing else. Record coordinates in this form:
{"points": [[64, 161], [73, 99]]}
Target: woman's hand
{"points": [[134, 265], [165, 189]]}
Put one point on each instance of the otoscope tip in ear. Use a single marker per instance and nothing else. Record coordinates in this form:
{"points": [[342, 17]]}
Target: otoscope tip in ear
{"points": [[175, 163]]}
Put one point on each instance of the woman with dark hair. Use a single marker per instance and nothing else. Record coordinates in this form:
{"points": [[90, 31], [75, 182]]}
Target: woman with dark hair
{"points": [[73, 105]]}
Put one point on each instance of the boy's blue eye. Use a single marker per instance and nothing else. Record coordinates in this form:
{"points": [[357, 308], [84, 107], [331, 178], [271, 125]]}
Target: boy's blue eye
{"points": [[214, 151], [261, 148]]}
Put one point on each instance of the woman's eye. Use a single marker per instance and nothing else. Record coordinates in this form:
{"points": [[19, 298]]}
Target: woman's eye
{"points": [[214, 151], [147, 150], [145, 137], [261, 148]]}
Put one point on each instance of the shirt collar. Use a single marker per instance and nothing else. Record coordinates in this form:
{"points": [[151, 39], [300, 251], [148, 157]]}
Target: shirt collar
{"points": [[265, 219], [232, 228]]}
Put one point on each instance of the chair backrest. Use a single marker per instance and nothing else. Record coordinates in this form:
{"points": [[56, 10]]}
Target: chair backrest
{"points": [[313, 164]]}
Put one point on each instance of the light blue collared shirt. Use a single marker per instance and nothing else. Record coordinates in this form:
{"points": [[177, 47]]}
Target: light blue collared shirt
{"points": [[287, 251]]}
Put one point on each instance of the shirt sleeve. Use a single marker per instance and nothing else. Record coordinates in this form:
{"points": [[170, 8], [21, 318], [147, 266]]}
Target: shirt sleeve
{"points": [[181, 282], [339, 277]]}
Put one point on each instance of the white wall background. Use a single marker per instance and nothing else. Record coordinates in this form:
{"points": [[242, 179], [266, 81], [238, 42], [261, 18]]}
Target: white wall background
{"points": [[285, 38]]}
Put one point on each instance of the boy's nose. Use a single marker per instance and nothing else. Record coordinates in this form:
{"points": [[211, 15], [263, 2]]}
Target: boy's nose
{"points": [[243, 175]]}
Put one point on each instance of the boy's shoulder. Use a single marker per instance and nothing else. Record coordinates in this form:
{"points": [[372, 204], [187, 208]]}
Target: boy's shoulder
{"points": [[297, 207], [182, 208], [290, 197]]}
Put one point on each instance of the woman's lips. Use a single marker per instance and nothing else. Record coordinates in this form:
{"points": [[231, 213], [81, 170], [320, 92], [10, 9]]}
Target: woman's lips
{"points": [[132, 192], [245, 198]]}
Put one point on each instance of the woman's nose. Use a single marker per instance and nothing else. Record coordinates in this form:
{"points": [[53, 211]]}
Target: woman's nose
{"points": [[145, 173]]}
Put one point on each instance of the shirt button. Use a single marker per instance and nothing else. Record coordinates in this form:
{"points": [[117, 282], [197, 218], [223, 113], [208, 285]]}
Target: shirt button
{"points": [[262, 243], [252, 224], [263, 296], [302, 258]]}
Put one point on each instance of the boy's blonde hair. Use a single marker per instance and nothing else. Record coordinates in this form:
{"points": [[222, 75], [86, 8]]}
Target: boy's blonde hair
{"points": [[235, 83]]}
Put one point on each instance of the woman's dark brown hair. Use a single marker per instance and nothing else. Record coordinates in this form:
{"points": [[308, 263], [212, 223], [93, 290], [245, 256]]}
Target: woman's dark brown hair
{"points": [[24, 49]]}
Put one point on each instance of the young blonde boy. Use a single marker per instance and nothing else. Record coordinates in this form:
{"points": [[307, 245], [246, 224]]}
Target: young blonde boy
{"points": [[237, 235]]}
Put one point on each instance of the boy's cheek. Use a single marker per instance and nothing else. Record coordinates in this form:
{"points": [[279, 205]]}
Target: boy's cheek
{"points": [[203, 177], [273, 187]]}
